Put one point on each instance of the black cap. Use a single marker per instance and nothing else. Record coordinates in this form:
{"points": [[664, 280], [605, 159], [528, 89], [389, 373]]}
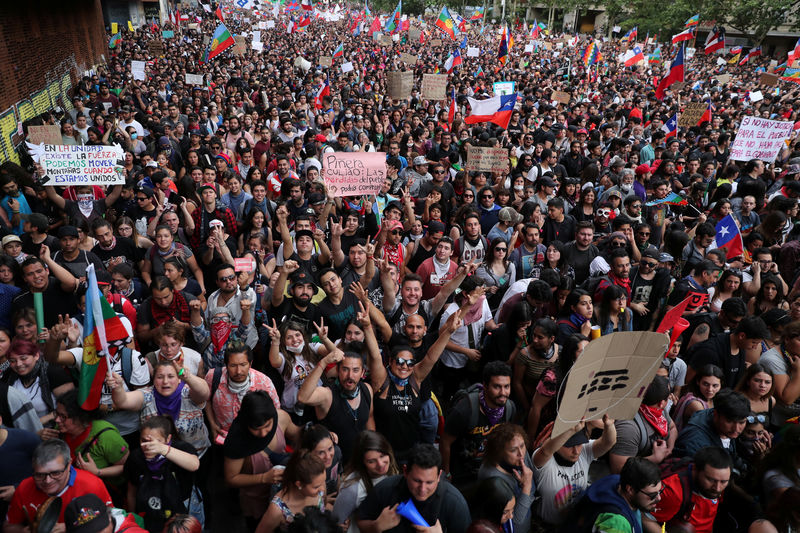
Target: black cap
{"points": [[303, 233], [316, 198], [147, 191], [577, 439], [67, 231], [86, 514], [300, 277], [652, 253]]}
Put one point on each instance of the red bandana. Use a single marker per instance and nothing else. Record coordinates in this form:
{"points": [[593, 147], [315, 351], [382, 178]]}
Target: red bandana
{"points": [[655, 417]]}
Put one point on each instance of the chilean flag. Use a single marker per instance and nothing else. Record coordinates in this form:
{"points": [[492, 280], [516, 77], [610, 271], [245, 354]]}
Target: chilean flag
{"points": [[670, 127], [324, 91], [715, 41], [675, 74], [633, 56], [752, 53], [685, 35], [729, 237], [707, 114], [307, 5], [496, 110], [451, 113], [794, 54], [219, 15]]}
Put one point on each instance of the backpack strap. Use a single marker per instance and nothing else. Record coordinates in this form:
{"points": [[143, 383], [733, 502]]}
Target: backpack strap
{"points": [[474, 407], [215, 380], [126, 358], [642, 425], [85, 448], [687, 504]]}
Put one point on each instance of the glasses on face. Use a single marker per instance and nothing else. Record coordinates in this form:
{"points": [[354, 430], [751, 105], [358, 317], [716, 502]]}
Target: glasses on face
{"points": [[219, 319], [485, 196], [438, 171], [400, 361], [752, 419], [644, 233], [501, 250], [649, 264], [603, 212], [618, 244], [652, 495], [396, 232], [227, 278], [141, 198], [468, 196], [636, 206], [41, 476]]}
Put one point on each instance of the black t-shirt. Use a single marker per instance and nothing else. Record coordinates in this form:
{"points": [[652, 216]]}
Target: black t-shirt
{"points": [[77, 267], [288, 312], [717, 351], [580, 260], [56, 302], [337, 316], [31, 248], [650, 292], [123, 248], [467, 451], [563, 231]]}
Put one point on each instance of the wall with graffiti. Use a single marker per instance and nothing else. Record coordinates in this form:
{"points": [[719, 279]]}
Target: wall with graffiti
{"points": [[56, 92]]}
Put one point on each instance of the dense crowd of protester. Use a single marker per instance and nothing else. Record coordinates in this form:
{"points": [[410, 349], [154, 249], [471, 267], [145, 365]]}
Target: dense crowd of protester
{"points": [[311, 362]]}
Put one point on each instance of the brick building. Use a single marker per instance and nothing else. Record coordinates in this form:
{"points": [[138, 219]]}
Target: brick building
{"points": [[45, 47]]}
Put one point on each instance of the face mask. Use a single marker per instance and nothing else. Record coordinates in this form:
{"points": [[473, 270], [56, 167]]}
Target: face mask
{"points": [[296, 349], [519, 187], [348, 115], [625, 187], [134, 136], [85, 200]]}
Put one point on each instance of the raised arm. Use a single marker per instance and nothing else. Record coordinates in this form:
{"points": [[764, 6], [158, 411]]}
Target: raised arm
{"points": [[336, 244], [55, 198], [68, 282], [602, 445], [312, 395], [324, 257], [424, 367], [113, 196], [444, 293], [123, 400]]}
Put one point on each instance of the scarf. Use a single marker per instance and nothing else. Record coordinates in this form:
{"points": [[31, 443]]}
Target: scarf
{"points": [[392, 253], [155, 464], [398, 382], [109, 248], [220, 331], [494, 414], [168, 252], [86, 204], [475, 312], [655, 417], [577, 319], [624, 283], [239, 389], [178, 309], [169, 405], [441, 268], [348, 395]]}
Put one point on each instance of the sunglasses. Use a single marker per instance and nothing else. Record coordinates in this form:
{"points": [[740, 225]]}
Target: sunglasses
{"points": [[650, 264], [752, 419], [438, 172], [396, 232], [618, 244], [501, 249], [652, 495], [141, 198], [227, 278], [399, 361], [486, 196]]}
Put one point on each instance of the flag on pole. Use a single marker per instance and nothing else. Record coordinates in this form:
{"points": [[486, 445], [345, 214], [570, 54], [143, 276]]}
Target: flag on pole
{"points": [[535, 30], [670, 127], [792, 75], [655, 57], [752, 53], [446, 23], [502, 53], [729, 237], [496, 110], [671, 198], [451, 112], [218, 12], [715, 40], [324, 91], [339, 52], [706, 117], [632, 57], [477, 14], [221, 41], [112, 43], [675, 74], [590, 55], [735, 50], [685, 35], [693, 21], [307, 5], [735, 59], [794, 54], [393, 22], [101, 323], [629, 37]]}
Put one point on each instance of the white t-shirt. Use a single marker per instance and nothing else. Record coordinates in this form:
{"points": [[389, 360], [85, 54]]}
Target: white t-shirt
{"points": [[126, 421], [559, 487], [461, 335], [292, 384], [34, 394]]}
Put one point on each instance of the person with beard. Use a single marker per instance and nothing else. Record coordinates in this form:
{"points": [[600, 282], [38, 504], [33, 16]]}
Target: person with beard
{"points": [[302, 289], [709, 475], [344, 406], [650, 434], [561, 469], [14, 204], [649, 286], [471, 419]]}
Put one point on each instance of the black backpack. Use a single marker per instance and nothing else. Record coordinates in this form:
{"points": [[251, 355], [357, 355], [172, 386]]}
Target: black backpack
{"points": [[590, 284]]}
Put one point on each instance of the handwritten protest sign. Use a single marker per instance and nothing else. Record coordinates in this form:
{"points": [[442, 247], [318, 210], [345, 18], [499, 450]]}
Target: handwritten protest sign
{"points": [[561, 97], [434, 86], [137, 69], [756, 96], [414, 34], [270, 24], [347, 67], [325, 61], [385, 40], [759, 138], [473, 51], [692, 113], [408, 59], [723, 78], [194, 79], [610, 377], [258, 46], [770, 80], [487, 159], [353, 173], [436, 42], [193, 26], [79, 165], [44, 135], [156, 48], [399, 84], [114, 28], [244, 264], [503, 87]]}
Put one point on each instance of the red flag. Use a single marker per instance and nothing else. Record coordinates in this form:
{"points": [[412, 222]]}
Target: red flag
{"points": [[219, 14], [375, 26]]}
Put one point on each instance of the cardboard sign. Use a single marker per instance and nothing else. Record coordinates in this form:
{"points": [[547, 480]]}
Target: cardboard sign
{"points": [[414, 34], [436, 42], [610, 377], [770, 80], [137, 70], [325, 61], [347, 67], [399, 84], [723, 78], [473, 51], [561, 97], [156, 48], [193, 26], [353, 173], [240, 48], [385, 40], [692, 114], [487, 159], [79, 165], [408, 59], [194, 79], [759, 138], [434, 86], [244, 264], [44, 135]]}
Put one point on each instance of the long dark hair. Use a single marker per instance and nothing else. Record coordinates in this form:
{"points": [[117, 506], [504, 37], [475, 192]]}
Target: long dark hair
{"points": [[612, 293], [368, 441], [491, 498]]}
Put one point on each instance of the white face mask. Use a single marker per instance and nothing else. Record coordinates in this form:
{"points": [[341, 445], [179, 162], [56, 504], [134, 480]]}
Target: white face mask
{"points": [[625, 187], [296, 349], [519, 187]]}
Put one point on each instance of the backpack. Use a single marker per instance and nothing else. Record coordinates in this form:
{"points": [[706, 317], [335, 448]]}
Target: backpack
{"points": [[590, 284], [583, 515], [473, 393], [683, 468]]}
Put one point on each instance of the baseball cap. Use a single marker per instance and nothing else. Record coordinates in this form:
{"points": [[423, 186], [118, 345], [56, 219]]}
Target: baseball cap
{"points": [[652, 253], [163, 141], [11, 238], [664, 257], [320, 138], [577, 439], [67, 231], [86, 514], [151, 164], [642, 169], [582, 130], [316, 198], [205, 186], [392, 224], [420, 160], [147, 191], [394, 204], [301, 277], [303, 233], [546, 181]]}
